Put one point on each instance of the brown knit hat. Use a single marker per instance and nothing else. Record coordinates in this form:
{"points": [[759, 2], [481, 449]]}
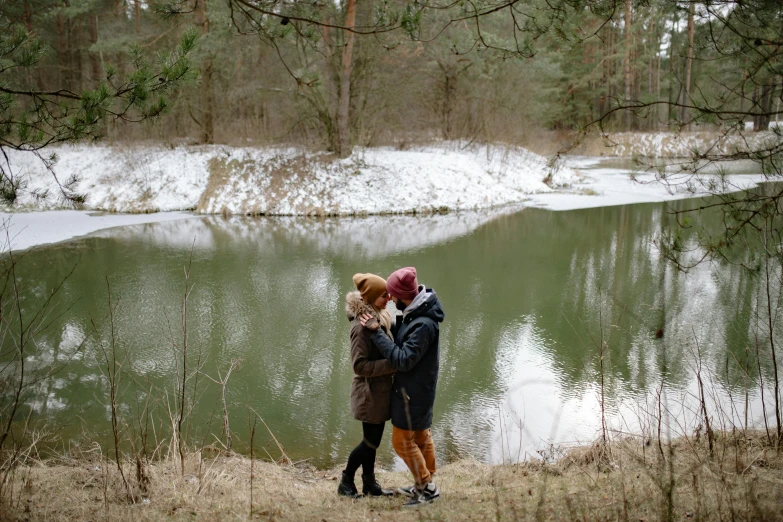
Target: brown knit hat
{"points": [[370, 286]]}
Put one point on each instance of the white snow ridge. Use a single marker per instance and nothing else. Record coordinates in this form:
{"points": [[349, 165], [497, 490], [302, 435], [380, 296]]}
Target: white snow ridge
{"points": [[242, 180]]}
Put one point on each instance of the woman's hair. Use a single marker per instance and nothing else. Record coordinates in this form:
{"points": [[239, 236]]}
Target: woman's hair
{"points": [[384, 317]]}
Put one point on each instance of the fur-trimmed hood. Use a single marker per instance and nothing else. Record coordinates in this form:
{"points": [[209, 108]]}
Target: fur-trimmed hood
{"points": [[355, 306]]}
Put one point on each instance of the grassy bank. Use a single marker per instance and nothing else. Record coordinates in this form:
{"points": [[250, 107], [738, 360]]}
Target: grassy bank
{"points": [[630, 479]]}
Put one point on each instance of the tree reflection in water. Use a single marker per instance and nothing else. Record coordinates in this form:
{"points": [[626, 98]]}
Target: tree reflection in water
{"points": [[526, 294]]}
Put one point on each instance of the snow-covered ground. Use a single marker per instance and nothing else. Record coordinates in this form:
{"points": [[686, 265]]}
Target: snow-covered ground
{"points": [[475, 186], [603, 187], [235, 180], [749, 125], [685, 144]]}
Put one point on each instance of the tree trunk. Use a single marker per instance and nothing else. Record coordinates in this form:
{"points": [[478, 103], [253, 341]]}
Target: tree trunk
{"points": [[606, 100], [651, 59], [28, 24], [137, 16], [63, 71], [74, 44], [672, 99], [742, 99], [627, 64], [28, 17], [753, 107], [95, 61], [447, 103], [761, 122], [658, 90], [208, 102], [652, 116], [686, 99], [344, 104], [207, 90]]}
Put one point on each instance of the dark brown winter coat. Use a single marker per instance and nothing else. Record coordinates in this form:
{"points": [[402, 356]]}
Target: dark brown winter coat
{"points": [[372, 379]]}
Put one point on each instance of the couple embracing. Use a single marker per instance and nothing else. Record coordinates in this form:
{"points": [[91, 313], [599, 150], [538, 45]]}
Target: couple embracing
{"points": [[395, 362]]}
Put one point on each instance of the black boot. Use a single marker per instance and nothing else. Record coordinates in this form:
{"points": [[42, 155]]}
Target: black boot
{"points": [[372, 488], [347, 487]]}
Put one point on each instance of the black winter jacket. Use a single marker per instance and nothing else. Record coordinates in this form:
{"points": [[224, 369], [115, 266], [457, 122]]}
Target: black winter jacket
{"points": [[415, 354]]}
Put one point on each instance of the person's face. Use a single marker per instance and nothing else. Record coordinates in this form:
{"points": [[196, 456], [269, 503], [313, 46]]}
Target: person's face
{"points": [[380, 303], [398, 303]]}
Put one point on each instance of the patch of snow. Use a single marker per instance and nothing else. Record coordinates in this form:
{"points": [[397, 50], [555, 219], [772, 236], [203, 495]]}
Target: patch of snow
{"points": [[685, 144], [601, 187], [29, 229], [749, 124], [119, 179]]}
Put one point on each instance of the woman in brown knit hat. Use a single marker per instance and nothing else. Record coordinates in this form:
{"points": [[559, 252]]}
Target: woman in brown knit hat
{"points": [[372, 382]]}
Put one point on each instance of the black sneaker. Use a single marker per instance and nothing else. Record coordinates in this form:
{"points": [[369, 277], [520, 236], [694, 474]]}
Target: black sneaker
{"points": [[407, 491], [426, 495]]}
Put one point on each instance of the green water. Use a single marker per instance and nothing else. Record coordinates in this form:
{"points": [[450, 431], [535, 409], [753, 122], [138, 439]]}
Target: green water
{"points": [[527, 295]]}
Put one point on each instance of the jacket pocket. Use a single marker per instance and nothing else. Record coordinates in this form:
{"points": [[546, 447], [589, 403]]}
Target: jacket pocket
{"points": [[381, 385]]}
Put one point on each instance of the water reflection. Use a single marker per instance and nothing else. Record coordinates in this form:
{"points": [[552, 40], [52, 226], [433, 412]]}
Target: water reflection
{"points": [[359, 237], [529, 297]]}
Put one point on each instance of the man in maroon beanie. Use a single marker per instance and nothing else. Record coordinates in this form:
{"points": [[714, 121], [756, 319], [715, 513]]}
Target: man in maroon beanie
{"points": [[415, 354]]}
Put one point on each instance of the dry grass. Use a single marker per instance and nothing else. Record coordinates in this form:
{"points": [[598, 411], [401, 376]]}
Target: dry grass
{"points": [[625, 481]]}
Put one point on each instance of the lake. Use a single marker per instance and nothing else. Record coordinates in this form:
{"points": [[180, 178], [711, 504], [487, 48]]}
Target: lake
{"points": [[530, 297]]}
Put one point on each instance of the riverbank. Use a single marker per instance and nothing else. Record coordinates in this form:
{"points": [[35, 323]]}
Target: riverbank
{"points": [[219, 179], [36, 223], [629, 480], [438, 178]]}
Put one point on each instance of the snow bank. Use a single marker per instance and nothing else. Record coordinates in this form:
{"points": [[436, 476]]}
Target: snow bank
{"points": [[119, 179], [376, 181], [685, 144], [603, 187], [235, 180]]}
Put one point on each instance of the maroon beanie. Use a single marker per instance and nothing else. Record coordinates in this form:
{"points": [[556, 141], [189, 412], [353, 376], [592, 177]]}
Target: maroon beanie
{"points": [[403, 284]]}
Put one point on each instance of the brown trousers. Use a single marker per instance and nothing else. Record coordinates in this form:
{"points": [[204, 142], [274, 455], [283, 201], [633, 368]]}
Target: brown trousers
{"points": [[417, 450]]}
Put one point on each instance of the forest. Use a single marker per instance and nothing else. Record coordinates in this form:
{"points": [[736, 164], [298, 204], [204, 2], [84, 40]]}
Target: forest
{"points": [[331, 76]]}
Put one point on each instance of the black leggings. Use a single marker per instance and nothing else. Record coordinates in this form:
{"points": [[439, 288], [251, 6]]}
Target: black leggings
{"points": [[364, 454]]}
